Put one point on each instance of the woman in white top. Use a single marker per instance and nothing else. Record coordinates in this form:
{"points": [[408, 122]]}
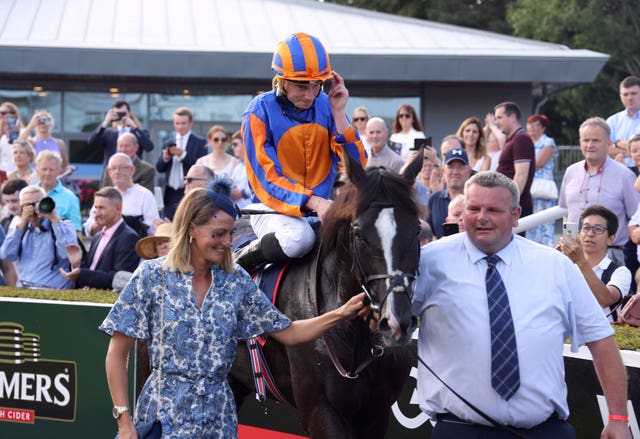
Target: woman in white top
{"points": [[472, 134], [406, 128], [218, 160]]}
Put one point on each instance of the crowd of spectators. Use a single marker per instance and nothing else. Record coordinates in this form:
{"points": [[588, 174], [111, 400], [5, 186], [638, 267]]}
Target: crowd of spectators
{"points": [[44, 242], [33, 160]]}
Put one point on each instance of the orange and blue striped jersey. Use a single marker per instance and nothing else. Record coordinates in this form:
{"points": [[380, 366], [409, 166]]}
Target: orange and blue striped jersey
{"points": [[292, 154]]}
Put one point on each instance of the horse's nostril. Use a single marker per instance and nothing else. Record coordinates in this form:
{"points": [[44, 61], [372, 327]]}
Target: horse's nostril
{"points": [[383, 324]]}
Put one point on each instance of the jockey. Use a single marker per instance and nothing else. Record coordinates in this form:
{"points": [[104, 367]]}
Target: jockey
{"points": [[293, 138]]}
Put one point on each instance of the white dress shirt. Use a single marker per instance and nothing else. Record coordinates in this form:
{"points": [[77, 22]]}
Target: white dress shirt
{"points": [[549, 300]]}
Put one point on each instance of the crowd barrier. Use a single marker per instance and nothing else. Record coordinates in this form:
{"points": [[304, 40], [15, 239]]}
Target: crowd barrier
{"points": [[53, 384]]}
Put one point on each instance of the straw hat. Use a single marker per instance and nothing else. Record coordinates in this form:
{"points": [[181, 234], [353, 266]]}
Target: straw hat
{"points": [[146, 247]]}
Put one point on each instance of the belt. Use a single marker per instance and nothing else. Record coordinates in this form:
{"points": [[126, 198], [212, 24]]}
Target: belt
{"points": [[449, 417]]}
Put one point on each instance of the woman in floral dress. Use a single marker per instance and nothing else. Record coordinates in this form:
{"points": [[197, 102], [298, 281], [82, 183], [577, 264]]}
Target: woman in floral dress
{"points": [[209, 304]]}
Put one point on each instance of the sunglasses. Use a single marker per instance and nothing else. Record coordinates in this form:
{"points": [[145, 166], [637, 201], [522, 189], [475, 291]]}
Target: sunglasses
{"points": [[4, 113], [190, 180], [359, 119], [219, 139], [404, 116]]}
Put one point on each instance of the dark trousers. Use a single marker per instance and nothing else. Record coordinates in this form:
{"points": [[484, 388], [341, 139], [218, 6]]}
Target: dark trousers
{"points": [[450, 428], [172, 198]]}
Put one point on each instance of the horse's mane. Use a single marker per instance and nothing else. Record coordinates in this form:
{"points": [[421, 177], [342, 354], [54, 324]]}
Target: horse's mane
{"points": [[382, 186]]}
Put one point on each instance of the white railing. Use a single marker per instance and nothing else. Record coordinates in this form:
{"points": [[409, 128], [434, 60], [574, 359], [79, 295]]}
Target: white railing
{"points": [[538, 218]]}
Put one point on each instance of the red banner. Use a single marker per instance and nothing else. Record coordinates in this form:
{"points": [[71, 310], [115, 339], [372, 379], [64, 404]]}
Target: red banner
{"points": [[17, 415]]}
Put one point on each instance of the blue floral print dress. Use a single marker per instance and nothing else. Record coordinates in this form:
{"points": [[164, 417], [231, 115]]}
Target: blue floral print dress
{"points": [[198, 344]]}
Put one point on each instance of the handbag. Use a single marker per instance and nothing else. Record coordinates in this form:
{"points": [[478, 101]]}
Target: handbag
{"points": [[630, 314], [153, 429], [544, 189]]}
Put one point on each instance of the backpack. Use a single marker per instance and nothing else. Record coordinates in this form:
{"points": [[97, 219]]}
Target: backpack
{"points": [[605, 278]]}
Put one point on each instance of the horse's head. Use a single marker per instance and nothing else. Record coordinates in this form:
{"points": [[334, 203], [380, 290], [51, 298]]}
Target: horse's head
{"points": [[383, 243]]}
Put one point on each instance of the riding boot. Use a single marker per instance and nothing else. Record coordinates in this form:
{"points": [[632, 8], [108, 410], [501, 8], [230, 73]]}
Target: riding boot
{"points": [[259, 252]]}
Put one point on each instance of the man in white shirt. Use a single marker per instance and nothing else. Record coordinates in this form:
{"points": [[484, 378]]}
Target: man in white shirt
{"points": [[625, 123], [139, 207], [178, 155], [542, 298]]}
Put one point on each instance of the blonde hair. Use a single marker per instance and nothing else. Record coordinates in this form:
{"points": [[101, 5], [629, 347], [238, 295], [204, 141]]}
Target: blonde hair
{"points": [[28, 148], [196, 208], [46, 155]]}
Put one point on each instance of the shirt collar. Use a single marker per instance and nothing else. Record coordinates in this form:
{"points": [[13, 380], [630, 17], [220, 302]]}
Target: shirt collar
{"points": [[604, 263], [109, 232], [475, 254]]}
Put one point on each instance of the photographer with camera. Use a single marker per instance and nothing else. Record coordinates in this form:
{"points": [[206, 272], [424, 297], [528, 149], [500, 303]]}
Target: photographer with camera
{"points": [[119, 120], [42, 123], [39, 242], [48, 166]]}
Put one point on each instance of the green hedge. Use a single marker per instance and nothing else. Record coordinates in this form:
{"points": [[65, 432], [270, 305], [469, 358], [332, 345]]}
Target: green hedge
{"points": [[627, 337], [96, 296]]}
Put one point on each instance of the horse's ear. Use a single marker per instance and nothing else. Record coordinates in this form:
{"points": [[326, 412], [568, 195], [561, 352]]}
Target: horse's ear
{"points": [[352, 168], [412, 170]]}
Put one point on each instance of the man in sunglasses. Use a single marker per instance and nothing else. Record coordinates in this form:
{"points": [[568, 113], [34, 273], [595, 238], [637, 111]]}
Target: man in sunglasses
{"points": [[608, 280], [294, 136]]}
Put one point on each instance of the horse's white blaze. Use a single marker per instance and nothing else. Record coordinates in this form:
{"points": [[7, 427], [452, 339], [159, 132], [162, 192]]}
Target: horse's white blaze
{"points": [[387, 229]]}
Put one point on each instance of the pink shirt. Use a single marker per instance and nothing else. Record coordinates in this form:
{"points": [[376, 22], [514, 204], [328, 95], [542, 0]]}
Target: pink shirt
{"points": [[104, 240]]}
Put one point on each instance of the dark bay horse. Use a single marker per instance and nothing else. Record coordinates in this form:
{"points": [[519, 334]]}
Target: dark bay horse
{"points": [[368, 241]]}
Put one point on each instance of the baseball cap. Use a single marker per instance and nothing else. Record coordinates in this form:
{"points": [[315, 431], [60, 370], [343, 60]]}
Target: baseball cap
{"points": [[456, 154]]}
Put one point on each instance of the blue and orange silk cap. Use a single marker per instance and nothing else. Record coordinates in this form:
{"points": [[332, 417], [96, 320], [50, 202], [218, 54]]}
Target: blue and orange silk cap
{"points": [[301, 57]]}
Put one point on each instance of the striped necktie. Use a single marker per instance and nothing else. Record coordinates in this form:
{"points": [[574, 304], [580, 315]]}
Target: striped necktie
{"points": [[505, 372]]}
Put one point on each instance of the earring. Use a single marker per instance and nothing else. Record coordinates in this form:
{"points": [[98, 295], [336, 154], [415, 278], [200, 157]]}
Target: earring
{"points": [[190, 239]]}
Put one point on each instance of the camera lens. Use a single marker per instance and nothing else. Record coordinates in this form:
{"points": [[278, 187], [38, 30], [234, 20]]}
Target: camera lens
{"points": [[46, 205]]}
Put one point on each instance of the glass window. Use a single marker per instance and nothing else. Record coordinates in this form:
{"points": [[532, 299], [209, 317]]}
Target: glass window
{"points": [[214, 109], [28, 101], [83, 112]]}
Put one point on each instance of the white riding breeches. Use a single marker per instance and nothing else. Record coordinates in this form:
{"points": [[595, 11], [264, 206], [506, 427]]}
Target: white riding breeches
{"points": [[294, 233]]}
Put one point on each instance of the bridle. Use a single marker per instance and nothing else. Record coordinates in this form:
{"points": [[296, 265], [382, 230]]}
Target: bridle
{"points": [[398, 281]]}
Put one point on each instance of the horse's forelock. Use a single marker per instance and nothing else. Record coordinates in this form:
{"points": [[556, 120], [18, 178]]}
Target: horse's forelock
{"points": [[379, 186], [386, 187]]}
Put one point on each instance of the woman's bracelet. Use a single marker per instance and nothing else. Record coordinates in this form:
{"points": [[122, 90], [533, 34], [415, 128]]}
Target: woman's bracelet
{"points": [[619, 418]]}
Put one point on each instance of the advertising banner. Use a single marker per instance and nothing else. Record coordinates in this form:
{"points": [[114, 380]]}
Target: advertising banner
{"points": [[53, 383], [52, 378]]}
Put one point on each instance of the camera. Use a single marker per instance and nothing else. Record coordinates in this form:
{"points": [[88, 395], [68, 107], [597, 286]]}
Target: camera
{"points": [[46, 205], [13, 134], [121, 114]]}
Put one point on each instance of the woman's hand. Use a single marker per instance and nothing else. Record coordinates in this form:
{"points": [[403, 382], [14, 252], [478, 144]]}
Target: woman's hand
{"points": [[355, 307], [126, 430]]}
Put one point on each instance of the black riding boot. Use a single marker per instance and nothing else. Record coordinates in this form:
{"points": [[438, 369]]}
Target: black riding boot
{"points": [[259, 252]]}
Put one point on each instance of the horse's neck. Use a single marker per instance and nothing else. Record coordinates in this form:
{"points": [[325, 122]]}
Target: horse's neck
{"points": [[336, 280]]}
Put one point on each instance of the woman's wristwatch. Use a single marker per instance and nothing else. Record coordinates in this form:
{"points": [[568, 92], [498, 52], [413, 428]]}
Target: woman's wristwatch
{"points": [[118, 410]]}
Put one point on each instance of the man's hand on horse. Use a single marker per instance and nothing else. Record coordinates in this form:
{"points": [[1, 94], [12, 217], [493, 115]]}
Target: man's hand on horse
{"points": [[355, 307]]}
